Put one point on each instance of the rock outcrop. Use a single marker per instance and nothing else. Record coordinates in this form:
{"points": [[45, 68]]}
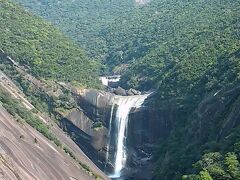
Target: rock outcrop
{"points": [[27, 154], [132, 92], [120, 91], [146, 126]]}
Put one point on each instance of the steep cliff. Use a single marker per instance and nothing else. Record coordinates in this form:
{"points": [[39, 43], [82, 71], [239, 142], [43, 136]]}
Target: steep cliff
{"points": [[188, 51], [26, 154], [30, 136], [90, 124], [184, 135], [209, 130]]}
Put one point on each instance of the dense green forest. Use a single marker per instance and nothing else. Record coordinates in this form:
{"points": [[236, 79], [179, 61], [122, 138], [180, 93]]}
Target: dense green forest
{"points": [[121, 32], [43, 49], [188, 51], [82, 20]]}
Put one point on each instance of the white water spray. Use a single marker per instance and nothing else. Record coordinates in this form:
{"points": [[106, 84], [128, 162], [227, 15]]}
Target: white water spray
{"points": [[109, 132], [125, 104]]}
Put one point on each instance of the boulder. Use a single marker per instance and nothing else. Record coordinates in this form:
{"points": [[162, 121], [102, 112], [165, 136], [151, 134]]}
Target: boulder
{"points": [[130, 93], [134, 91], [120, 91]]}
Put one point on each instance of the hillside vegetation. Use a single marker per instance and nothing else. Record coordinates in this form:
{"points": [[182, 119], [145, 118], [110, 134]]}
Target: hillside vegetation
{"points": [[16, 131], [197, 44], [120, 32], [42, 49], [189, 52], [82, 20]]}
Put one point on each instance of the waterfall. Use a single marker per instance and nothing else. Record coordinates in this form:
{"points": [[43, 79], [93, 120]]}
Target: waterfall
{"points": [[124, 105], [109, 133]]}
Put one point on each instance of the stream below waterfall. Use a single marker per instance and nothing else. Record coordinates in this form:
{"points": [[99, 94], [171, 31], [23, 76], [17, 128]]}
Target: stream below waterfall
{"points": [[119, 120]]}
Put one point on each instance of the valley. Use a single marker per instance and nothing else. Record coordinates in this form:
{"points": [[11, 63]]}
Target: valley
{"points": [[102, 89]]}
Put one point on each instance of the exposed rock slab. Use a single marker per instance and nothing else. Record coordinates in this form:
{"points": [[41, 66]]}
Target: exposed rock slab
{"points": [[22, 158], [59, 162]]}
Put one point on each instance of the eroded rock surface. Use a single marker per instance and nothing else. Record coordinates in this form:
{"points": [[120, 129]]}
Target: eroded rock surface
{"points": [[146, 126], [21, 157], [27, 154]]}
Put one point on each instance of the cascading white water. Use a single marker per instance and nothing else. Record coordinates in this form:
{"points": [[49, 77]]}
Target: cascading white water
{"points": [[109, 132], [124, 106]]}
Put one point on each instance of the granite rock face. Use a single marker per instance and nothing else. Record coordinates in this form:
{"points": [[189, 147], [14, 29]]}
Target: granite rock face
{"points": [[89, 124], [146, 126], [27, 154]]}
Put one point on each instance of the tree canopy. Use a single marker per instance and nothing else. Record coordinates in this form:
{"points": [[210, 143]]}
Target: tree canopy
{"points": [[43, 49], [185, 50]]}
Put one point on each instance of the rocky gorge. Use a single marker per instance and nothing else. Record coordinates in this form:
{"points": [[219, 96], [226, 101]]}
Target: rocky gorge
{"points": [[88, 114], [147, 126], [168, 107], [90, 126]]}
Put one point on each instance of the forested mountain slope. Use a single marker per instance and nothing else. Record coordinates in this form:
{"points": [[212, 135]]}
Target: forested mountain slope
{"points": [[43, 49], [33, 53], [189, 52], [122, 32], [82, 20], [194, 40]]}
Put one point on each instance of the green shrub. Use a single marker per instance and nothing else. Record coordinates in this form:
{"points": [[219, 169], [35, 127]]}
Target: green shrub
{"points": [[69, 152], [15, 108], [97, 125]]}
